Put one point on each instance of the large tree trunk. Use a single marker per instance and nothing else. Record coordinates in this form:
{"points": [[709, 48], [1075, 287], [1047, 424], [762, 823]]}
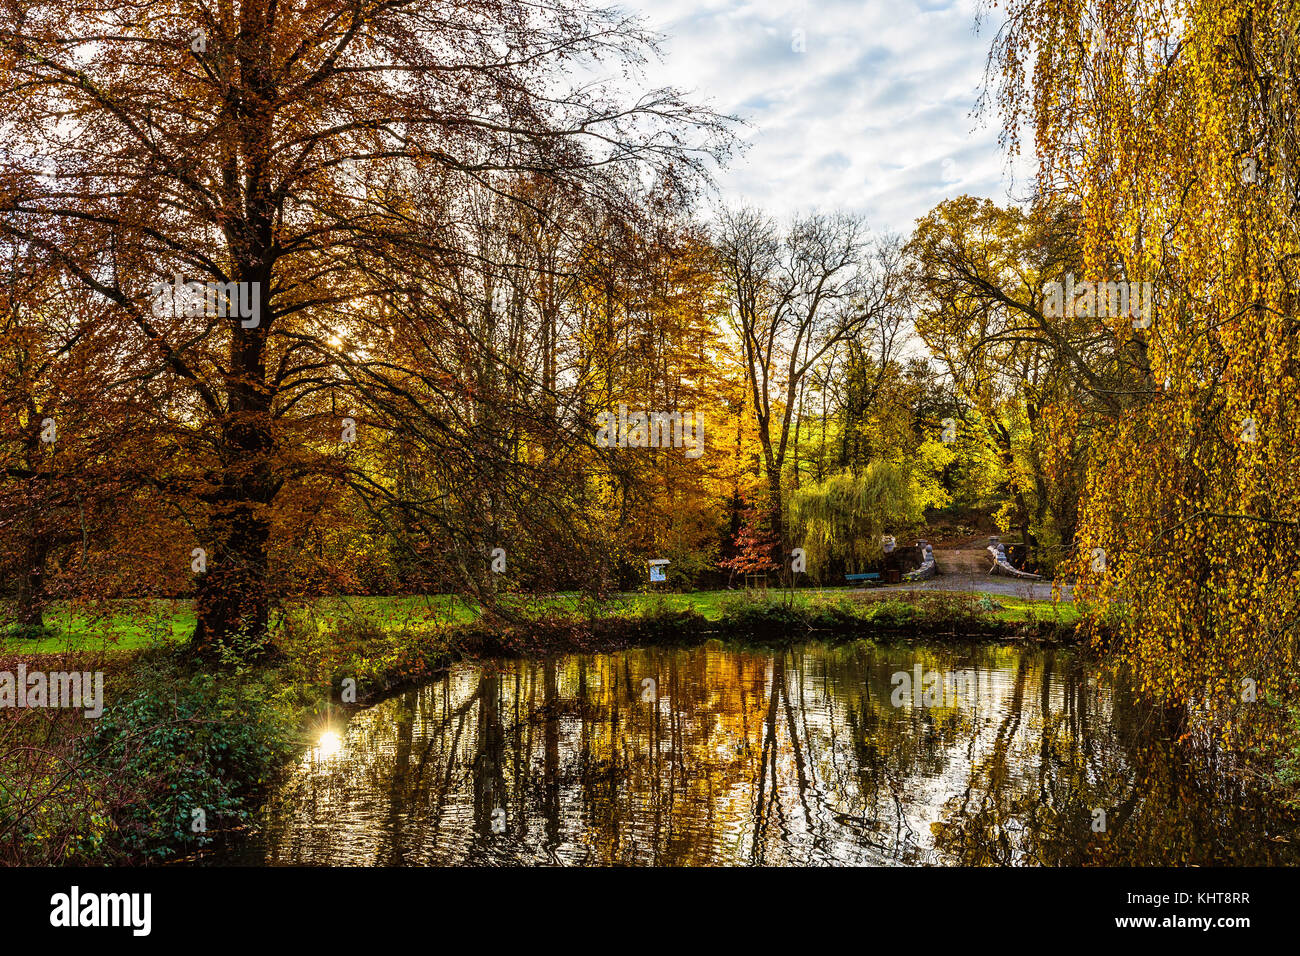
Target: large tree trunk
{"points": [[234, 592], [233, 599]]}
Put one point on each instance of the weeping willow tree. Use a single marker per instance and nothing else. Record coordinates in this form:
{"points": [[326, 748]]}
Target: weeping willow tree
{"points": [[843, 517], [1173, 125]]}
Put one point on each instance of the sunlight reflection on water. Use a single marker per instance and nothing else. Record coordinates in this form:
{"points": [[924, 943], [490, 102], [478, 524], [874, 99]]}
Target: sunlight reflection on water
{"points": [[801, 756]]}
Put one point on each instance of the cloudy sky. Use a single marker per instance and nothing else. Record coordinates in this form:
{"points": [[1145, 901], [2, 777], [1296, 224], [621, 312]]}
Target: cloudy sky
{"points": [[875, 115]]}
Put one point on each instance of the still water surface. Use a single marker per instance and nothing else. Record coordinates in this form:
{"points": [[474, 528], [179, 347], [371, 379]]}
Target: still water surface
{"points": [[723, 755]]}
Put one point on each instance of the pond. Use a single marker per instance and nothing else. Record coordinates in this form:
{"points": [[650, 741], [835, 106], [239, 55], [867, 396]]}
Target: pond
{"points": [[725, 755]]}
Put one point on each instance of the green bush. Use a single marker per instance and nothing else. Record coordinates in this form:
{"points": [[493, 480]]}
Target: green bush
{"points": [[890, 613], [841, 616], [185, 742], [748, 617]]}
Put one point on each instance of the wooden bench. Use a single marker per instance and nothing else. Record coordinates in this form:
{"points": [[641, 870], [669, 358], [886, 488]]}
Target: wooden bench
{"points": [[851, 578]]}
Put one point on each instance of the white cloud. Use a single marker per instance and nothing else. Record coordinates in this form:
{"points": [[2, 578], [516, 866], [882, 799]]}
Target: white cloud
{"points": [[875, 115]]}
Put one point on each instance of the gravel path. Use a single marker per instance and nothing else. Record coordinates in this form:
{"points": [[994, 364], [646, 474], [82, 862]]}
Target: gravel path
{"points": [[984, 584]]}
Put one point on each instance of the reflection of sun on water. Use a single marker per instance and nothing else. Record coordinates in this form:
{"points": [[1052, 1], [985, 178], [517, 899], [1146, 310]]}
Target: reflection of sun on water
{"points": [[329, 744]]}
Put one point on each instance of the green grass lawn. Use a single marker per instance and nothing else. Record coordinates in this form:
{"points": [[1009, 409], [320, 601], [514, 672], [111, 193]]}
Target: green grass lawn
{"points": [[1023, 609], [121, 625], [709, 603], [130, 625]]}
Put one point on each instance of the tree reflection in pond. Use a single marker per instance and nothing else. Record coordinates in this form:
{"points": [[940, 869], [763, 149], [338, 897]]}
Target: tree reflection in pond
{"points": [[721, 755]]}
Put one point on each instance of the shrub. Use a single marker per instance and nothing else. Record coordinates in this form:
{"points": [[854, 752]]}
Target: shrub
{"points": [[746, 617], [890, 613], [52, 811], [180, 743]]}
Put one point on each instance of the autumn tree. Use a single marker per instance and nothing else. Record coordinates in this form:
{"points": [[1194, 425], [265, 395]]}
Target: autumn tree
{"points": [[792, 297], [293, 160], [1172, 126], [1038, 378], [70, 432]]}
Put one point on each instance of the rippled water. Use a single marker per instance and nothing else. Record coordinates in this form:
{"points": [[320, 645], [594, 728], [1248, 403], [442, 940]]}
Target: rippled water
{"points": [[722, 755]]}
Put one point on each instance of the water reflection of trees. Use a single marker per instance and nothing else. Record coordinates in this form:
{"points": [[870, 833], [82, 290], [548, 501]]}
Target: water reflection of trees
{"points": [[751, 756]]}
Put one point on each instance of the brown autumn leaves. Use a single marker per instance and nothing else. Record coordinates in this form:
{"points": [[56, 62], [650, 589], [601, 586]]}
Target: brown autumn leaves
{"points": [[411, 196]]}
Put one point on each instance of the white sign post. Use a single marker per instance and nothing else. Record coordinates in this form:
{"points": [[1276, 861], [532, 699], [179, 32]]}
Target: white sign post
{"points": [[658, 569]]}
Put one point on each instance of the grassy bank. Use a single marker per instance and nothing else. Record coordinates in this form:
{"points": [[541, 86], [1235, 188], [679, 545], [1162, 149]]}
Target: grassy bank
{"points": [[181, 755], [132, 625]]}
